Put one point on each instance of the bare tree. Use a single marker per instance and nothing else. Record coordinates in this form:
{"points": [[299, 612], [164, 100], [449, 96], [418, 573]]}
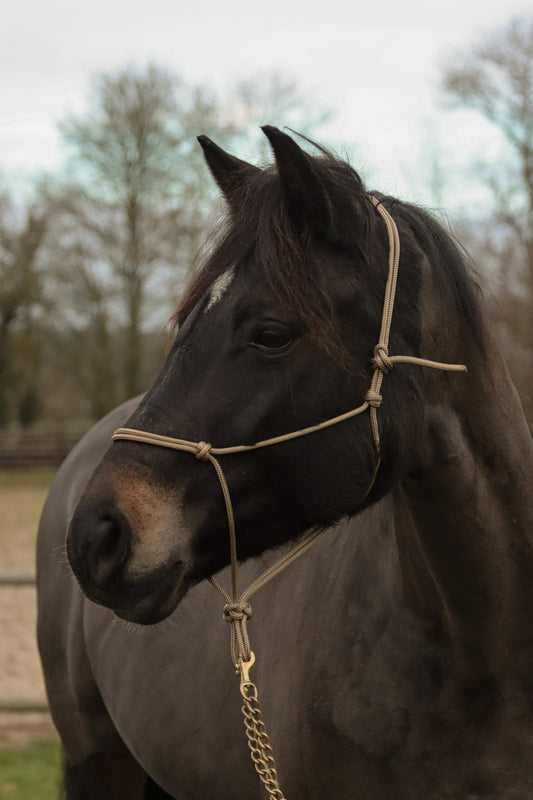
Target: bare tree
{"points": [[131, 198], [274, 99], [140, 195], [124, 148], [495, 80], [22, 232]]}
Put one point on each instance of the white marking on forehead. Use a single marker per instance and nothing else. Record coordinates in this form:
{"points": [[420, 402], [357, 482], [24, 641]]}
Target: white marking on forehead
{"points": [[220, 286]]}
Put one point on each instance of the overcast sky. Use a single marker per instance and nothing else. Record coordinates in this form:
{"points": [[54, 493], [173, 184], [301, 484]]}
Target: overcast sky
{"points": [[377, 64]]}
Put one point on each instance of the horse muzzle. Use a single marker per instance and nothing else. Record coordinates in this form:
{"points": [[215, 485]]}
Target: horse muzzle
{"points": [[99, 549]]}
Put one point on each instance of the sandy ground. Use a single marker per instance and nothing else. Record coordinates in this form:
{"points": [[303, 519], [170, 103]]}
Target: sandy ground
{"points": [[20, 670]]}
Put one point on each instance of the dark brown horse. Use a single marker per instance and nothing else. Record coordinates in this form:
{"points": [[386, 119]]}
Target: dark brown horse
{"points": [[395, 658]]}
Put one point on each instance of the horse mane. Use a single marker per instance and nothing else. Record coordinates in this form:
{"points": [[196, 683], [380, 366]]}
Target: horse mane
{"points": [[454, 272], [260, 235]]}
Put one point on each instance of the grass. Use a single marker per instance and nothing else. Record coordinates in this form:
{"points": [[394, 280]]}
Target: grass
{"points": [[31, 773], [34, 476], [40, 476]]}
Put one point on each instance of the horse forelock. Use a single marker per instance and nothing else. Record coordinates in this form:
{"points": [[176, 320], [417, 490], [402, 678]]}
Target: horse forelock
{"points": [[294, 263]]}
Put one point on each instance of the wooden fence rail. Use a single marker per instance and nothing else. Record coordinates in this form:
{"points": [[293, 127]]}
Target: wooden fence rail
{"points": [[25, 448], [24, 707], [17, 579]]}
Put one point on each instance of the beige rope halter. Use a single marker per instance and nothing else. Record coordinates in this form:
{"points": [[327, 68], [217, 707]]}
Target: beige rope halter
{"points": [[237, 609]]}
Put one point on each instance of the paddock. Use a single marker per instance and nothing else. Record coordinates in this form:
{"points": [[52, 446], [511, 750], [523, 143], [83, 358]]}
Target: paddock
{"points": [[24, 714]]}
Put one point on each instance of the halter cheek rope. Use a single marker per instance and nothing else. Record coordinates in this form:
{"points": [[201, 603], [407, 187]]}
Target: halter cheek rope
{"points": [[237, 610]]}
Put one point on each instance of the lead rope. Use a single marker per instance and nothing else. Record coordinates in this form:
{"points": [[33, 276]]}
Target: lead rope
{"points": [[237, 609]]}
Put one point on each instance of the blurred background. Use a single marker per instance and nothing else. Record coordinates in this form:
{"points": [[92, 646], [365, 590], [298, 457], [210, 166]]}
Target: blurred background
{"points": [[105, 202]]}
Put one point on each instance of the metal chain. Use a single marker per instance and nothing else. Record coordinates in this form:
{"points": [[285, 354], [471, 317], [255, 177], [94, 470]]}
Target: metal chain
{"points": [[257, 736]]}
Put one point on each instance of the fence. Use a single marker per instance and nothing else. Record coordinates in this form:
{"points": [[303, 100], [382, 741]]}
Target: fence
{"points": [[20, 449], [25, 448], [14, 705]]}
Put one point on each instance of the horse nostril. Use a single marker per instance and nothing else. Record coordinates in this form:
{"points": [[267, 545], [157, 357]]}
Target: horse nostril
{"points": [[101, 548]]}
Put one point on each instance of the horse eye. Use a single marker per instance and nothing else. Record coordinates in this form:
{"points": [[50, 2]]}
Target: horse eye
{"points": [[273, 336]]}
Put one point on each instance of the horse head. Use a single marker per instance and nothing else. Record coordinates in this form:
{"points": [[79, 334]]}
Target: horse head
{"points": [[276, 333]]}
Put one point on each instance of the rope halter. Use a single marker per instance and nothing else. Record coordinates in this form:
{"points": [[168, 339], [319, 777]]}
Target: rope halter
{"points": [[381, 364], [237, 609]]}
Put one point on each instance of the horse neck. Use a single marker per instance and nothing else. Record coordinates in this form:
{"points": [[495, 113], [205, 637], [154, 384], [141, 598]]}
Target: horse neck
{"points": [[465, 519]]}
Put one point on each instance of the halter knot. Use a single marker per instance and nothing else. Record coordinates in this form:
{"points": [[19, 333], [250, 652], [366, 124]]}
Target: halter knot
{"points": [[373, 398], [236, 612], [381, 360], [202, 451]]}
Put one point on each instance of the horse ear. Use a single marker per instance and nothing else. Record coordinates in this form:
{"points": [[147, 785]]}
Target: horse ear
{"points": [[229, 172], [306, 197]]}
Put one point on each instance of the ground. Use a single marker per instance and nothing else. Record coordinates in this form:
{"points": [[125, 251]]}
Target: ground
{"points": [[22, 495]]}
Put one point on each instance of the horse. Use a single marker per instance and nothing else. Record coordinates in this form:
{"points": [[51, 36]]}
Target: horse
{"points": [[307, 394]]}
